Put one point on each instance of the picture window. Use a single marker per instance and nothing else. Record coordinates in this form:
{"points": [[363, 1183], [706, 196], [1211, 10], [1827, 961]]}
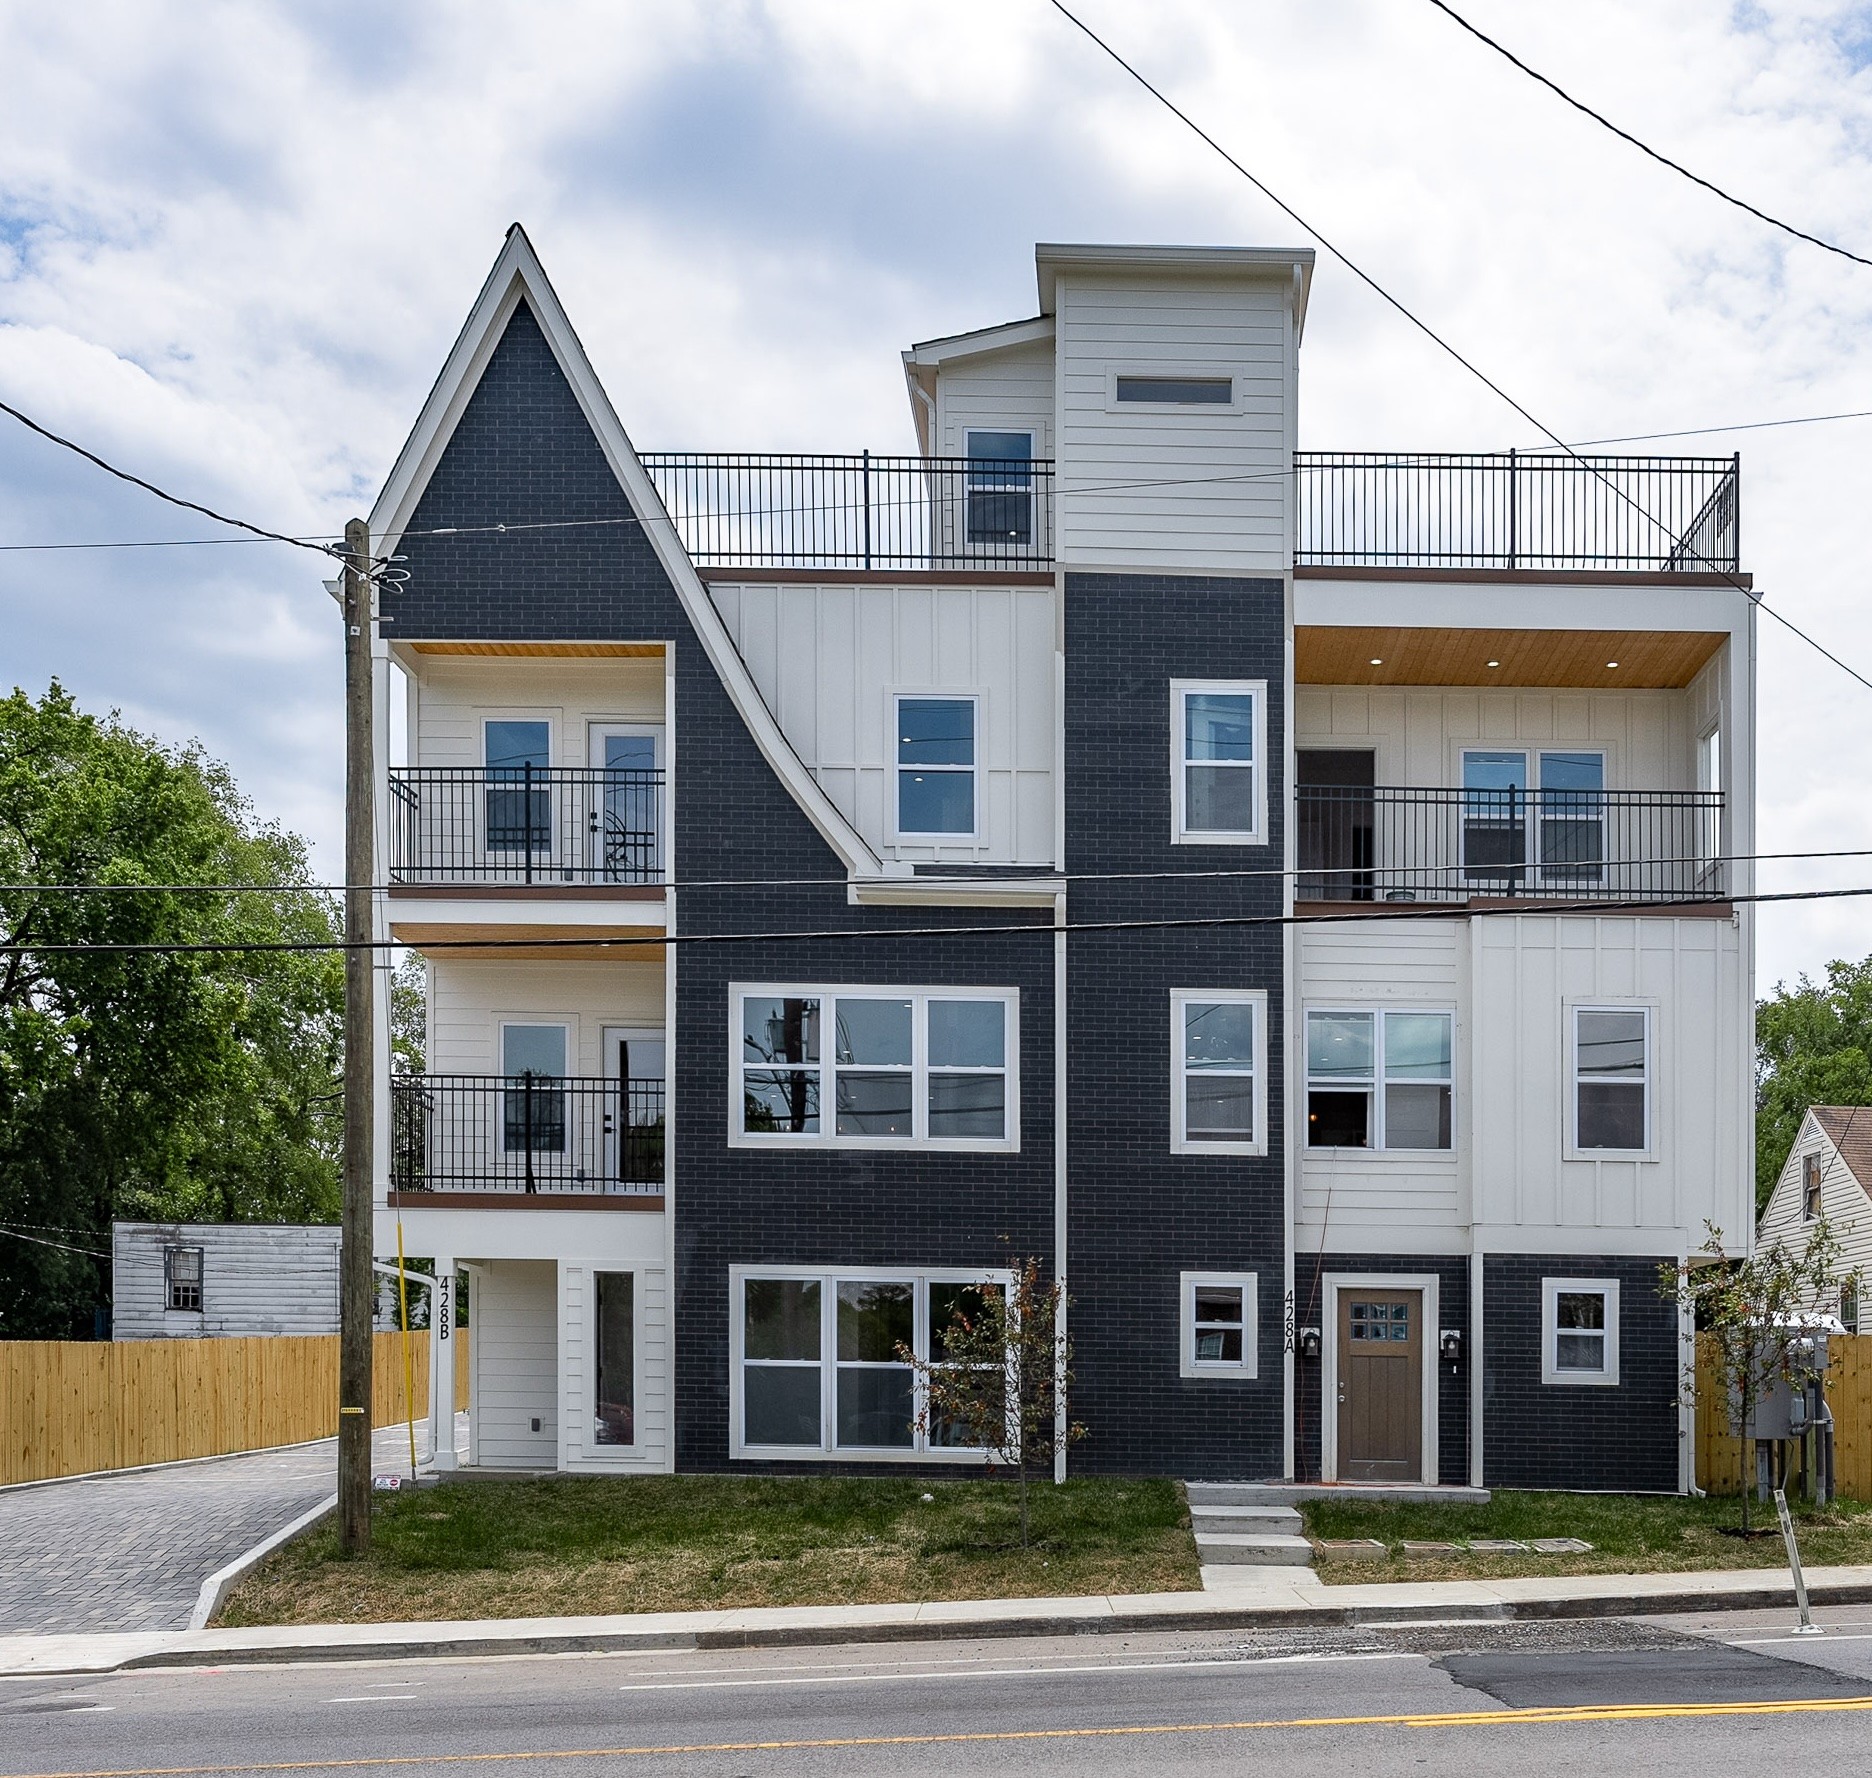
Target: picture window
{"points": [[1380, 1079]]}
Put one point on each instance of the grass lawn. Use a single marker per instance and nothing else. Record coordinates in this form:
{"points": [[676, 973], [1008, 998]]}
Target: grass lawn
{"points": [[577, 1544], [1630, 1533]]}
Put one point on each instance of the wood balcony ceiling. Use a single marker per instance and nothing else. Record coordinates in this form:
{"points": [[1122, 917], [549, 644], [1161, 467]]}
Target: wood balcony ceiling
{"points": [[1646, 659]]}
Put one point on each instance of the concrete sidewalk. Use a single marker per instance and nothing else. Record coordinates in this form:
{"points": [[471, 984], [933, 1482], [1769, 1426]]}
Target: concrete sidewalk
{"points": [[1230, 1600]]}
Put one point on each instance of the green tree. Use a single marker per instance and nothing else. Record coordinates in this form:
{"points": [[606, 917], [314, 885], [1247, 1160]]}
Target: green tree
{"points": [[1813, 1046], [163, 1083]]}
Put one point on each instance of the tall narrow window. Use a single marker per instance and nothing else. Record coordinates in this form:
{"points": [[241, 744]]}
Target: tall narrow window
{"points": [[876, 1385], [1810, 1188], [968, 1069], [182, 1274], [519, 797], [1572, 817], [875, 1092], [1214, 1069], [1494, 818], [1710, 809], [1000, 489], [1218, 792], [533, 1101], [780, 1065], [614, 1372], [1612, 1078], [1417, 1079], [780, 1345], [1380, 1080], [935, 766]]}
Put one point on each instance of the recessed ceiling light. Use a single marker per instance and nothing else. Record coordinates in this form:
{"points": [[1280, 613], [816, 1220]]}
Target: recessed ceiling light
{"points": [[1494, 663], [1611, 663], [1376, 662]]}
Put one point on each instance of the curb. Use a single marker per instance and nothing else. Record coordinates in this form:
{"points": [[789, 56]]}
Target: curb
{"points": [[1213, 1617], [219, 1584]]}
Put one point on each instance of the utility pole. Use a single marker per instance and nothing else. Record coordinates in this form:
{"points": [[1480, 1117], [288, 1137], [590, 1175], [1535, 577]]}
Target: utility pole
{"points": [[355, 1282]]}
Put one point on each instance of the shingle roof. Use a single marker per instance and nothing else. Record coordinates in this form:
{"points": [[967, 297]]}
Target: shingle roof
{"points": [[1849, 1129]]}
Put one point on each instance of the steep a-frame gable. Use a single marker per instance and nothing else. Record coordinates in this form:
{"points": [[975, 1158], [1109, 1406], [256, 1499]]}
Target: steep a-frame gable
{"points": [[520, 510]]}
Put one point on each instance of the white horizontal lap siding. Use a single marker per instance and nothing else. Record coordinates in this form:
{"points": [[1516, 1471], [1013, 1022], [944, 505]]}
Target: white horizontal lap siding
{"points": [[516, 1357], [470, 1000], [1422, 965], [828, 659], [257, 1278], [1529, 972], [455, 695], [1843, 1203], [1194, 517], [1418, 733], [1009, 391]]}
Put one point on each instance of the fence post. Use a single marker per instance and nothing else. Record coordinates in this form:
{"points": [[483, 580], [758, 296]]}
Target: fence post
{"points": [[867, 510], [1513, 508], [526, 1124]]}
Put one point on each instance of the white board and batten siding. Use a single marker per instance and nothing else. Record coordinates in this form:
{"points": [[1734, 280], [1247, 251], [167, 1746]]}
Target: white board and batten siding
{"points": [[830, 661], [513, 1401], [451, 696], [1209, 486], [257, 1278]]}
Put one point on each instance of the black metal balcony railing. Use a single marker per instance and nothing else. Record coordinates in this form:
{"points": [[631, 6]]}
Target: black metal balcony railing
{"points": [[525, 824], [750, 511], [1402, 845], [1675, 515], [525, 1133]]}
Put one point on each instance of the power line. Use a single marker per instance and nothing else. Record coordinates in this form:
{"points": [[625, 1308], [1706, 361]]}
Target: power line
{"points": [[1430, 332], [1663, 160], [149, 487], [62, 1246], [1034, 928], [1587, 444]]}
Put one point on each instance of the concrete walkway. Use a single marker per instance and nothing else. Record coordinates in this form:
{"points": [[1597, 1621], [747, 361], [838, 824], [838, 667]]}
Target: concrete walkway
{"points": [[128, 1552], [1285, 1599]]}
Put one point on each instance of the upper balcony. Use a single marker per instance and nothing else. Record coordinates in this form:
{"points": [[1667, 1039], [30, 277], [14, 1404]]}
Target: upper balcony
{"points": [[1448, 512]]}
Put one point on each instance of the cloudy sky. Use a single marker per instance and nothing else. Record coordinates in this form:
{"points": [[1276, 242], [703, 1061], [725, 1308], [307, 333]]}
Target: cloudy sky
{"points": [[237, 239]]}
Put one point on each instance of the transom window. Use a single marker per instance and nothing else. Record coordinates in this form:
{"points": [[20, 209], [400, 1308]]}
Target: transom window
{"points": [[182, 1277], [1218, 1093], [821, 1361], [1612, 1078], [876, 1067], [1219, 1324], [1379, 1079], [1175, 391], [1218, 790], [1579, 1330], [935, 766]]}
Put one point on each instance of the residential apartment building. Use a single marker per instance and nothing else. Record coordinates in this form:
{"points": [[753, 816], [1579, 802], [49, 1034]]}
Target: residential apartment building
{"points": [[1290, 893]]}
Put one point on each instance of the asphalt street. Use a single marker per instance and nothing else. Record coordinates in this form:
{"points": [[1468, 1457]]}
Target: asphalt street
{"points": [[1663, 1696]]}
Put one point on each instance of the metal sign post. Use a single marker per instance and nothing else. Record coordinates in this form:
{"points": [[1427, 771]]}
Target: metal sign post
{"points": [[1806, 1626]]}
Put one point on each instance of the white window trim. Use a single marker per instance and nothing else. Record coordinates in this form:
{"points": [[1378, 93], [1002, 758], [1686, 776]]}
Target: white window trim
{"points": [[827, 1137], [1238, 388], [1247, 1367], [1430, 1284], [1540, 872], [1181, 1141], [1378, 1149], [588, 1438], [1572, 1082], [828, 1279], [1551, 1291], [948, 695], [1179, 833]]}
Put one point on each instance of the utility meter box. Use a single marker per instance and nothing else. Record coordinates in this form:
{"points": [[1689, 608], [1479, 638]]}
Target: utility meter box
{"points": [[1784, 1407]]}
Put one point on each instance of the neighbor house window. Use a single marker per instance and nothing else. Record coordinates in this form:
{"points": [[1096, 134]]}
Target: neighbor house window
{"points": [[999, 493], [1218, 1323], [1216, 1081], [823, 1360], [876, 1067], [1612, 1078], [519, 798], [1810, 1188], [1579, 1330], [1849, 1306], [935, 767], [1218, 788], [1175, 391], [182, 1274], [1380, 1079], [614, 1372]]}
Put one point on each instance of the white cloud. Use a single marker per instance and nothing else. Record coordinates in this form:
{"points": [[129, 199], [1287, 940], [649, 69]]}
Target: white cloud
{"points": [[236, 241]]}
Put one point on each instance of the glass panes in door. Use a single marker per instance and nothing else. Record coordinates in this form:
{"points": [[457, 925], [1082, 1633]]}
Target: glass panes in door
{"points": [[533, 1107], [626, 815], [518, 811]]}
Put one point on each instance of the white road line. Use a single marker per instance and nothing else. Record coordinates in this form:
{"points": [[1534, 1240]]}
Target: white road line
{"points": [[703, 1685], [376, 1698], [1805, 1641]]}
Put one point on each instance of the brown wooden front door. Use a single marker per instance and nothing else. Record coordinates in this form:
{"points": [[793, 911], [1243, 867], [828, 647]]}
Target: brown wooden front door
{"points": [[1381, 1336]]}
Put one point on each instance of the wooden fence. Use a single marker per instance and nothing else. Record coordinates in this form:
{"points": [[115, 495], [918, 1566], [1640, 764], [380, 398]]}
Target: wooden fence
{"points": [[69, 1407], [1849, 1395]]}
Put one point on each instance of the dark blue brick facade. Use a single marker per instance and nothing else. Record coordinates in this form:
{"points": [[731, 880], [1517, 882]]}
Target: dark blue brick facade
{"points": [[1140, 1215], [1549, 1435]]}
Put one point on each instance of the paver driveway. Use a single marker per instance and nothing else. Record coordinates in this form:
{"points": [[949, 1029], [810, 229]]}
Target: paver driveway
{"points": [[130, 1551]]}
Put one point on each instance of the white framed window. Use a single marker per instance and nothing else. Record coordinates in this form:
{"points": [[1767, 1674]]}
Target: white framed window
{"points": [[937, 792], [1173, 388], [998, 504], [874, 1067], [818, 1367], [1219, 1324], [1218, 1081], [1551, 826], [1710, 782], [1580, 1331], [614, 1359], [1380, 1078], [1612, 1071], [1218, 741]]}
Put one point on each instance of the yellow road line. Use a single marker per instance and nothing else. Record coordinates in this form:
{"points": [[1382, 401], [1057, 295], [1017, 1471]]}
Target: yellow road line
{"points": [[1449, 1720]]}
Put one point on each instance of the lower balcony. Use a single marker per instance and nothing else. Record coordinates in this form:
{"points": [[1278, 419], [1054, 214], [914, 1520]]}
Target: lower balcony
{"points": [[1385, 843], [525, 1135]]}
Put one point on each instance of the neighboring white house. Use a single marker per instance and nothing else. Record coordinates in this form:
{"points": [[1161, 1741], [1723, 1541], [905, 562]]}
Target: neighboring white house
{"points": [[1828, 1173], [188, 1280]]}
